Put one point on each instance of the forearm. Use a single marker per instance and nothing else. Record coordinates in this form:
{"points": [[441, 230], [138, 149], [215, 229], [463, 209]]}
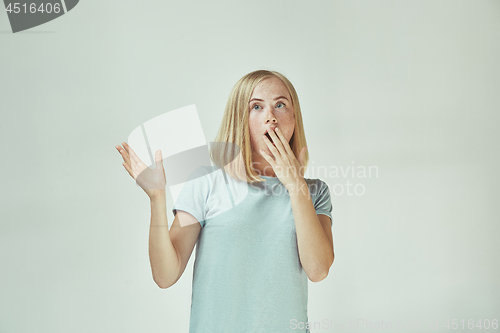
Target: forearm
{"points": [[165, 264], [315, 249]]}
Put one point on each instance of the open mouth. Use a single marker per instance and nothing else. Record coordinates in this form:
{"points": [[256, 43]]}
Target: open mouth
{"points": [[269, 137]]}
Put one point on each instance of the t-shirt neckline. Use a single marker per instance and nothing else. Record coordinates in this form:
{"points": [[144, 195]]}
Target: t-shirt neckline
{"points": [[270, 179]]}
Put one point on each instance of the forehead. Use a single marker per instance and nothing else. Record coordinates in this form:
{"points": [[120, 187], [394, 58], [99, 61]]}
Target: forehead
{"points": [[271, 86]]}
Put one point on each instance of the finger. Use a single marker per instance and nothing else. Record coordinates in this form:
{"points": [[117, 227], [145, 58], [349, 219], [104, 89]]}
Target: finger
{"points": [[277, 142], [133, 156], [268, 158], [125, 146], [129, 170], [127, 150], [302, 156], [272, 148], [136, 165], [284, 141], [122, 152]]}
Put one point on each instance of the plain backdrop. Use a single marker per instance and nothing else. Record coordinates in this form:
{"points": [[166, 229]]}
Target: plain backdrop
{"points": [[408, 87]]}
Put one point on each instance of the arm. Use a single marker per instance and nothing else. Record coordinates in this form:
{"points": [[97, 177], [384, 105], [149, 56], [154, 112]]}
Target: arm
{"points": [[314, 236], [165, 264], [170, 250]]}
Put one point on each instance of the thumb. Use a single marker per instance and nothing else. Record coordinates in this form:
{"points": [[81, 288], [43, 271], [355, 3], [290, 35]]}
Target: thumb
{"points": [[158, 159], [302, 156], [301, 159]]}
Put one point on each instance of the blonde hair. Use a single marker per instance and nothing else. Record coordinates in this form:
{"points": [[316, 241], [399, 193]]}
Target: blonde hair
{"points": [[232, 149]]}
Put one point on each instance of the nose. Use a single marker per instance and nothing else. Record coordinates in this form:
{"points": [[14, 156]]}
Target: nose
{"points": [[271, 118]]}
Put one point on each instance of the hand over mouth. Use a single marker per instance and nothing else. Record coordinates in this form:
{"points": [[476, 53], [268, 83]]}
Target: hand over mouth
{"points": [[269, 137]]}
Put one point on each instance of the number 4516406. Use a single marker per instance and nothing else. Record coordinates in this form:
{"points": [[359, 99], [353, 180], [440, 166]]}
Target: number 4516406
{"points": [[43, 8], [481, 324]]}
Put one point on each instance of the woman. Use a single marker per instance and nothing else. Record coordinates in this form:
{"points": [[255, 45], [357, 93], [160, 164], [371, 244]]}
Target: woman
{"points": [[261, 231]]}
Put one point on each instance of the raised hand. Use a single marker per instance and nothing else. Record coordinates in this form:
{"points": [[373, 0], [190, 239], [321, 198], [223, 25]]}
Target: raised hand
{"points": [[288, 169], [152, 181]]}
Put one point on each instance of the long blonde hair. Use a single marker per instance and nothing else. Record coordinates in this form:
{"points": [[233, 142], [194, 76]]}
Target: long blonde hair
{"points": [[232, 149]]}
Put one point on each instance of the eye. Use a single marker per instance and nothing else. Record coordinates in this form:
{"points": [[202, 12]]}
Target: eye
{"points": [[255, 105], [283, 105]]}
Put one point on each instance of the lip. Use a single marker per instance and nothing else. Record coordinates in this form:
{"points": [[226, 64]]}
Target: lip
{"points": [[272, 128]]}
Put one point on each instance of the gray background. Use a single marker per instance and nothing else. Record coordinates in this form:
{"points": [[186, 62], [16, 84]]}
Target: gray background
{"points": [[408, 86]]}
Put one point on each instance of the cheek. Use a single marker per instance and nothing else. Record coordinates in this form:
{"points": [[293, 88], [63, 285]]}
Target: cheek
{"points": [[288, 126], [252, 128], [254, 131]]}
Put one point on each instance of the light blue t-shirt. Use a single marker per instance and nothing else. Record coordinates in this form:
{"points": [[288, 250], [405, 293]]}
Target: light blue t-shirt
{"points": [[247, 274]]}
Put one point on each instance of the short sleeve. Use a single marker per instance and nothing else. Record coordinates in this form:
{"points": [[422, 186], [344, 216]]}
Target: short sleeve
{"points": [[322, 201], [193, 196]]}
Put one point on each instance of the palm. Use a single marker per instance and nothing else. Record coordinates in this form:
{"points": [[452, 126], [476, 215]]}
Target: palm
{"points": [[149, 179], [152, 181]]}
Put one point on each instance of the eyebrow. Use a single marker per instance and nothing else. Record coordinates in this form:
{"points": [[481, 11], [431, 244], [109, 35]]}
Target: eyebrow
{"points": [[257, 99]]}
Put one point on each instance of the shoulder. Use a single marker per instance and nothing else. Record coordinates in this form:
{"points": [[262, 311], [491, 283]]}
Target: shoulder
{"points": [[203, 176], [317, 186], [207, 179], [198, 182]]}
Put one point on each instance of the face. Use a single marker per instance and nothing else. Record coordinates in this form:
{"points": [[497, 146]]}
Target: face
{"points": [[270, 106]]}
